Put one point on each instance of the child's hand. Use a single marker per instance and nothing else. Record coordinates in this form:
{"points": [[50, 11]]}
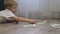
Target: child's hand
{"points": [[32, 21]]}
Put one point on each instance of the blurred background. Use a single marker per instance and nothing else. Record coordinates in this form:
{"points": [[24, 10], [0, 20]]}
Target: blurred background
{"points": [[37, 8]]}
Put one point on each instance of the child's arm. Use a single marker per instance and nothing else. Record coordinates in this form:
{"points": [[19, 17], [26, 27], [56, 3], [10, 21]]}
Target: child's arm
{"points": [[23, 19]]}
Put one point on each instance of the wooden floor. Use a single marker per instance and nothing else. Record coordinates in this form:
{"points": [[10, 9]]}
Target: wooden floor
{"points": [[11, 28]]}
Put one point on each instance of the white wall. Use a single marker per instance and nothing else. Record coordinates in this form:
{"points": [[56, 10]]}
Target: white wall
{"points": [[39, 8]]}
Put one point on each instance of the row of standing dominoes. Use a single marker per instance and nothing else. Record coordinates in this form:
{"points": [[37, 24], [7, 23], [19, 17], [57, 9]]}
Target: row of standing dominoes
{"points": [[34, 25]]}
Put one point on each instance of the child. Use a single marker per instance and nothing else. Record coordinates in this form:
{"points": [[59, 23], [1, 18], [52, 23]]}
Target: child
{"points": [[10, 9]]}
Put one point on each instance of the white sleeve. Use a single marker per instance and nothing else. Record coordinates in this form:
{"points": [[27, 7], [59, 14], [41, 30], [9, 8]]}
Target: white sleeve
{"points": [[6, 14], [10, 14]]}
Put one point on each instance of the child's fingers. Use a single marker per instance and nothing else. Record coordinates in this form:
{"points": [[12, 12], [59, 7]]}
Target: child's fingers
{"points": [[33, 21]]}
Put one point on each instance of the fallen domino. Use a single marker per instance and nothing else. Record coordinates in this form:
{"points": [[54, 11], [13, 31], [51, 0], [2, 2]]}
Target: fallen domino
{"points": [[30, 25]]}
